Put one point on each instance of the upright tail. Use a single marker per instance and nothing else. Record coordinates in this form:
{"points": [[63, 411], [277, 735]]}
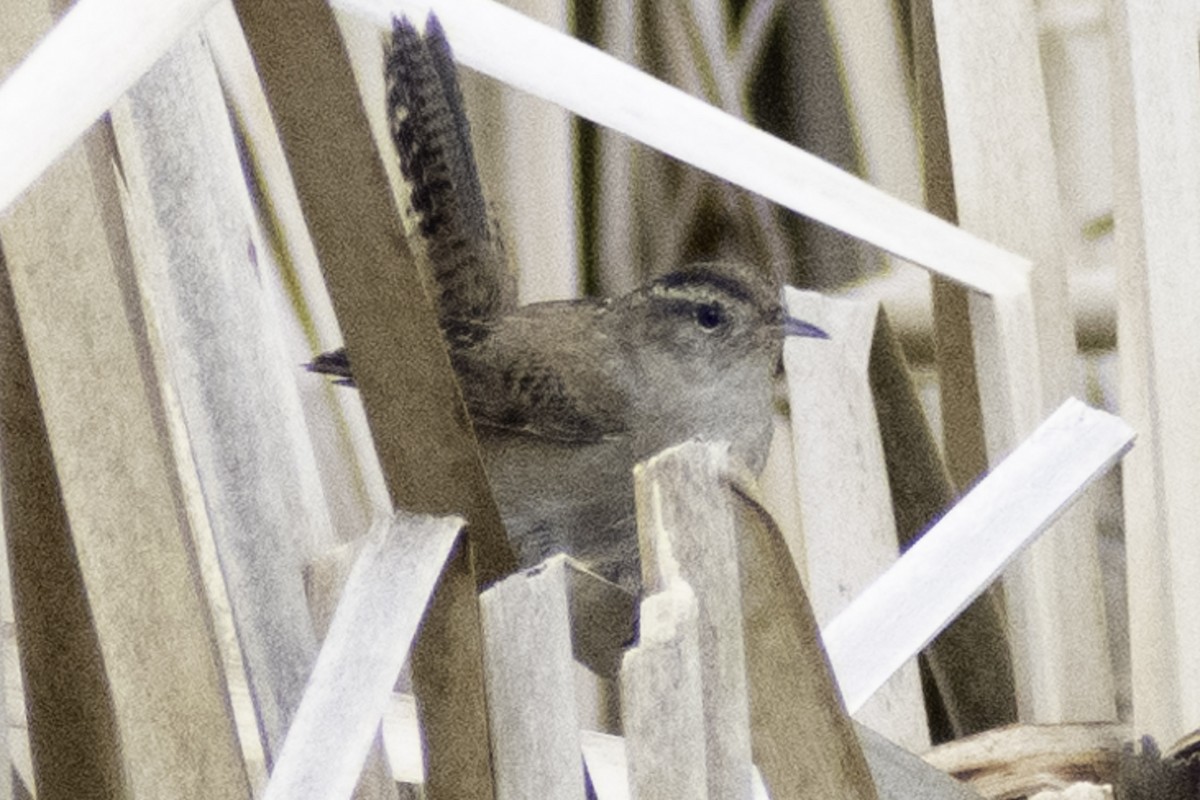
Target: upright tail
{"points": [[432, 136]]}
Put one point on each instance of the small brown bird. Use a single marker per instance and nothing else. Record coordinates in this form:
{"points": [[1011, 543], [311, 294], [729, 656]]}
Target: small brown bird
{"points": [[567, 396]]}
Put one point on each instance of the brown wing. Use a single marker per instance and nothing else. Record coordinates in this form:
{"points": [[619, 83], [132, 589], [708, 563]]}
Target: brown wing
{"points": [[542, 372]]}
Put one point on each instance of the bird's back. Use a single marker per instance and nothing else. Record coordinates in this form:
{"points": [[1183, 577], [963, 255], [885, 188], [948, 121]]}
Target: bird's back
{"points": [[550, 404], [548, 370]]}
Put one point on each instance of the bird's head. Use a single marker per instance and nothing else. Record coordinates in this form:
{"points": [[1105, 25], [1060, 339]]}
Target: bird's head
{"points": [[715, 312], [707, 342]]}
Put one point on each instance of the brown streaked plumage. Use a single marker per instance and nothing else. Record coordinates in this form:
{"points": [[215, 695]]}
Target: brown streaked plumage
{"points": [[567, 396]]}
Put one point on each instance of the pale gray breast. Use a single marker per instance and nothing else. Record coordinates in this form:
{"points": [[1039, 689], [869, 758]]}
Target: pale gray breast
{"points": [[575, 498]]}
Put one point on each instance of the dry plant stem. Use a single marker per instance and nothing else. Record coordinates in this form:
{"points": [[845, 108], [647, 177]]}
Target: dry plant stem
{"points": [[608, 768], [1020, 759], [917, 477], [690, 519], [451, 702], [869, 45], [1157, 155], [966, 451], [530, 57], [70, 720], [241, 417], [64, 66], [686, 532], [962, 413], [901, 775], [662, 703], [10, 780], [421, 430], [874, 71], [369, 639], [970, 660], [369, 63], [956, 559], [1025, 346], [62, 244], [617, 237], [973, 701], [697, 31], [758, 20], [841, 473], [531, 686], [795, 706], [526, 154], [347, 450]]}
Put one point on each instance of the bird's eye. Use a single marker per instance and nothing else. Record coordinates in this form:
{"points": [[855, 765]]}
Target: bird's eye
{"points": [[709, 316]]}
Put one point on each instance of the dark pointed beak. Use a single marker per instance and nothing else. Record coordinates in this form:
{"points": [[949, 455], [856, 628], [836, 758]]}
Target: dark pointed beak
{"points": [[797, 327]]}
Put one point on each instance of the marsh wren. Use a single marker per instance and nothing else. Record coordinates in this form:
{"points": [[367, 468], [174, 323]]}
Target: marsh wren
{"points": [[567, 396]]}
